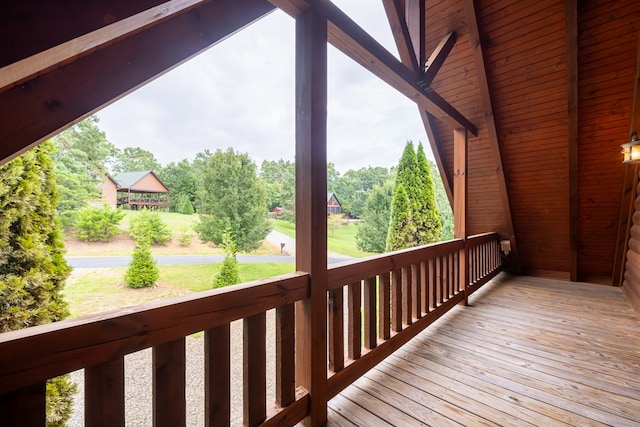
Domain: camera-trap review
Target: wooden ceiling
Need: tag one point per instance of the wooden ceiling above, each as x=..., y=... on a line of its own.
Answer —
x=546, y=86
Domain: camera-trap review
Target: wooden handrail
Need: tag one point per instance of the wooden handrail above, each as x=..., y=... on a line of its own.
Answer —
x=390, y=298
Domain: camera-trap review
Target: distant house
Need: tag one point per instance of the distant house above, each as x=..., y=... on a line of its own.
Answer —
x=136, y=190
x=333, y=205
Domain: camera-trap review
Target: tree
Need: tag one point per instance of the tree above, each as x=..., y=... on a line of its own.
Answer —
x=98, y=224
x=142, y=271
x=354, y=187
x=334, y=222
x=33, y=270
x=426, y=214
x=371, y=235
x=132, y=159
x=232, y=197
x=180, y=179
x=81, y=155
x=279, y=178
x=442, y=201
x=229, y=273
x=148, y=227
x=401, y=227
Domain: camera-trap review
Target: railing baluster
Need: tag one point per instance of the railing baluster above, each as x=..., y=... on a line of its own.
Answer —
x=25, y=407
x=384, y=306
x=452, y=277
x=433, y=284
x=104, y=394
x=169, y=405
x=336, y=329
x=370, y=320
x=285, y=354
x=417, y=295
x=445, y=278
x=407, y=293
x=254, y=369
x=354, y=331
x=439, y=279
x=217, y=379
x=396, y=300
x=424, y=288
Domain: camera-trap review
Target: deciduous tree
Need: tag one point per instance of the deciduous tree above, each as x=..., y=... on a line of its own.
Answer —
x=371, y=235
x=232, y=197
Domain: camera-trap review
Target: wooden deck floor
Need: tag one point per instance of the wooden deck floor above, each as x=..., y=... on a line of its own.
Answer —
x=528, y=352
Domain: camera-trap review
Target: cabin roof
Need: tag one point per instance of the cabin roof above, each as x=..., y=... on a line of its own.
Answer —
x=132, y=180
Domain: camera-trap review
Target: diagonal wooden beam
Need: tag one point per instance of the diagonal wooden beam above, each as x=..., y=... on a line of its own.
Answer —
x=437, y=58
x=356, y=43
x=485, y=94
x=407, y=37
x=53, y=100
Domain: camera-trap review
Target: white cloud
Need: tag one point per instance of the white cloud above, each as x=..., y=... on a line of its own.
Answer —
x=240, y=94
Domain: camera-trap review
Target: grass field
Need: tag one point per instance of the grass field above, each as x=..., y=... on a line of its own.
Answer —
x=90, y=291
x=341, y=241
x=176, y=222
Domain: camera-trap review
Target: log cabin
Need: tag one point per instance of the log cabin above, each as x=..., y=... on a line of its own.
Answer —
x=526, y=317
x=136, y=190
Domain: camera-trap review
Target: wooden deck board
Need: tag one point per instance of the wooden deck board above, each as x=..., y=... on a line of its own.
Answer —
x=528, y=351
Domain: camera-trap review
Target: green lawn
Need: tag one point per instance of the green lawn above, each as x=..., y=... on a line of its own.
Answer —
x=341, y=241
x=90, y=291
x=177, y=222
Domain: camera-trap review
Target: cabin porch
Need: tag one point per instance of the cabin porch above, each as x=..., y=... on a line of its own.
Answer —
x=527, y=351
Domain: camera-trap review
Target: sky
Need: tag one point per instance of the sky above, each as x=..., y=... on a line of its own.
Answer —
x=240, y=94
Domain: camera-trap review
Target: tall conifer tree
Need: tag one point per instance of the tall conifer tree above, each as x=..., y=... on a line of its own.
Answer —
x=401, y=227
x=426, y=216
x=32, y=265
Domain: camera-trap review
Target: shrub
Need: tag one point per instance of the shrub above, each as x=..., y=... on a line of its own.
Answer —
x=142, y=271
x=148, y=226
x=228, y=274
x=183, y=205
x=60, y=391
x=98, y=224
x=186, y=238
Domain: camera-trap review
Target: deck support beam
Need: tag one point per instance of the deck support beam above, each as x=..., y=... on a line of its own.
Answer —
x=460, y=201
x=311, y=208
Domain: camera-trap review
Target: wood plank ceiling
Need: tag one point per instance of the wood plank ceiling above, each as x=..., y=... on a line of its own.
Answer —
x=530, y=53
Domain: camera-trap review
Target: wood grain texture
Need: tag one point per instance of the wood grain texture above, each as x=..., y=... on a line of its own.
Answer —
x=217, y=376
x=169, y=400
x=104, y=394
x=525, y=353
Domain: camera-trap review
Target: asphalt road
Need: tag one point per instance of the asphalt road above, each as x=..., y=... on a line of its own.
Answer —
x=123, y=261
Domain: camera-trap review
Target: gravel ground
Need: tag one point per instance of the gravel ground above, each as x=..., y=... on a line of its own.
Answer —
x=138, y=381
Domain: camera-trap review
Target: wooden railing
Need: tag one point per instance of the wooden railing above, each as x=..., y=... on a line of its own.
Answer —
x=375, y=305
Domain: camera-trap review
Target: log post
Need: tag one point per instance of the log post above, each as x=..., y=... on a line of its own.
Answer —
x=311, y=208
x=460, y=202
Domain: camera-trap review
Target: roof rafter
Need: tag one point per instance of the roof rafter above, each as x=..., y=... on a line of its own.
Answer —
x=404, y=38
x=56, y=98
x=356, y=43
x=485, y=95
x=437, y=58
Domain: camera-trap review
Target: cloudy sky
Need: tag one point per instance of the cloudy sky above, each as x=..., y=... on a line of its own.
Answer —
x=240, y=94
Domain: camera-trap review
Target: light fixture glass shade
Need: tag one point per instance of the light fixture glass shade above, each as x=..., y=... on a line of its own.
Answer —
x=631, y=150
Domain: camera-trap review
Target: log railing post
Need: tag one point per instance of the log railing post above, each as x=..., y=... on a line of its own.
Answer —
x=460, y=201
x=311, y=208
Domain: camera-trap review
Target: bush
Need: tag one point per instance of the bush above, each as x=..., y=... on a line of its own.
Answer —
x=185, y=239
x=142, y=271
x=182, y=204
x=148, y=226
x=228, y=274
x=98, y=224
x=60, y=391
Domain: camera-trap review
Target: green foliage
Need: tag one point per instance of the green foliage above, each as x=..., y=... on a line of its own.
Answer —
x=232, y=197
x=180, y=179
x=134, y=159
x=98, y=224
x=372, y=232
x=229, y=273
x=442, y=201
x=414, y=176
x=182, y=204
x=59, y=407
x=334, y=222
x=426, y=214
x=279, y=178
x=354, y=187
x=32, y=266
x=401, y=227
x=142, y=271
x=149, y=227
x=185, y=239
x=81, y=154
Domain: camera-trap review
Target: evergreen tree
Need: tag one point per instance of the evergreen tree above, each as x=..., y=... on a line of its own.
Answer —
x=228, y=274
x=401, y=227
x=32, y=265
x=232, y=197
x=371, y=235
x=426, y=214
x=142, y=271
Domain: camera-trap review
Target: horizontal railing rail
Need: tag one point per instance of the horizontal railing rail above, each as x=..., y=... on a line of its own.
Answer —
x=375, y=305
